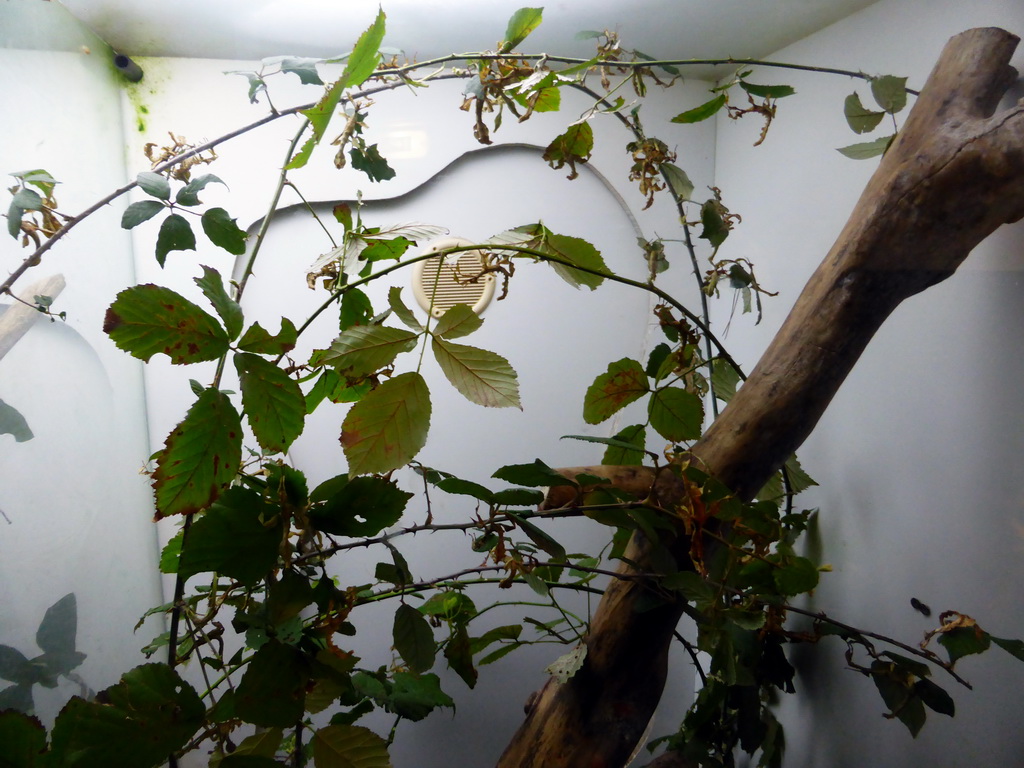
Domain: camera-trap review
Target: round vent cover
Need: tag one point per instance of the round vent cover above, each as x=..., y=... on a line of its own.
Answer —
x=439, y=283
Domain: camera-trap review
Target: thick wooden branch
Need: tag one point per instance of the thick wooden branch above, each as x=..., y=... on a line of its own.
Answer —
x=954, y=175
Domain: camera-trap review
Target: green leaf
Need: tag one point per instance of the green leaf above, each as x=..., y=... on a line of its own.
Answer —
x=576, y=251
x=16, y=667
x=935, y=697
x=349, y=746
x=13, y=423
x=703, y=112
x=363, y=506
x=200, y=457
x=414, y=639
x=171, y=554
x=14, y=214
x=256, y=339
x=154, y=184
x=890, y=92
x=573, y=146
x=460, y=320
x=189, y=194
x=522, y=23
x=272, y=691
x=300, y=158
x=691, y=586
x=797, y=576
x=416, y=696
x=38, y=178
x=303, y=68
x=540, y=538
x=175, y=235
x=964, y=641
x=238, y=537
x=388, y=427
x=370, y=162
x=365, y=349
x=799, y=481
x=457, y=485
x=402, y=312
x=535, y=475
x=23, y=739
x=565, y=667
x=272, y=401
x=767, y=91
x=148, y=319
x=678, y=181
x=59, y=627
x=859, y=118
x=483, y=377
x=623, y=383
x=714, y=227
x=867, y=149
x=136, y=213
x=724, y=380
x=619, y=454
x=228, y=309
x=150, y=713
x=459, y=655
x=518, y=497
x=356, y=309
x=1014, y=647
x=676, y=414
x=223, y=232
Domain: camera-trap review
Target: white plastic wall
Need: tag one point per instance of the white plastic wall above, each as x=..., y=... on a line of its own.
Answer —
x=919, y=454
x=76, y=510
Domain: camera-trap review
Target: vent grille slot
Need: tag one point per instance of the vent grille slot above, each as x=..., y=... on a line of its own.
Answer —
x=439, y=285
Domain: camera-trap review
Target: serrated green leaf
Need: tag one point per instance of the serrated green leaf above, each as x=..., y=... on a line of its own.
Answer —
x=154, y=184
x=799, y=481
x=619, y=454
x=935, y=697
x=858, y=117
x=460, y=320
x=13, y=423
x=361, y=507
x=964, y=641
x=678, y=181
x=703, y=112
x=518, y=497
x=303, y=68
x=767, y=91
x=713, y=227
x=229, y=310
x=372, y=163
x=223, y=232
x=573, y=146
x=238, y=537
x=459, y=655
x=797, y=576
x=24, y=740
x=175, y=235
x=200, y=457
x=171, y=553
x=522, y=23
x=1014, y=647
x=388, y=427
x=256, y=339
x=349, y=746
x=414, y=639
x=16, y=667
x=402, y=312
x=38, y=178
x=365, y=349
x=867, y=149
x=676, y=414
x=150, y=713
x=623, y=383
x=300, y=158
x=724, y=380
x=535, y=475
x=272, y=401
x=355, y=309
x=189, y=194
x=416, y=696
x=136, y=213
x=272, y=691
x=59, y=627
x=457, y=485
x=540, y=538
x=482, y=377
x=576, y=251
x=148, y=319
x=890, y=92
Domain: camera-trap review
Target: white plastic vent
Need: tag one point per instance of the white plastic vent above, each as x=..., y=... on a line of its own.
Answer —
x=441, y=283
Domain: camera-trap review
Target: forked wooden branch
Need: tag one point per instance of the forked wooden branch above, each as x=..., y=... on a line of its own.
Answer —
x=954, y=174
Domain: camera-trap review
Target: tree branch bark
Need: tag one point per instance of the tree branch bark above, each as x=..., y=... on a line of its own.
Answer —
x=953, y=175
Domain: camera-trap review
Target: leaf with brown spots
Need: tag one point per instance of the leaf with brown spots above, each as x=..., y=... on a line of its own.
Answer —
x=146, y=320
x=388, y=427
x=272, y=401
x=623, y=382
x=200, y=457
